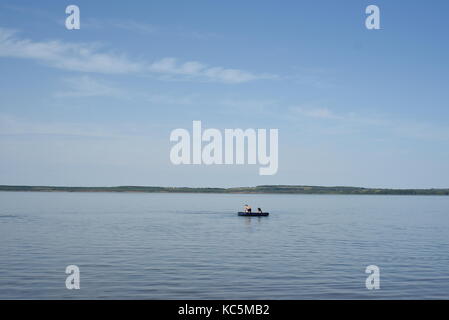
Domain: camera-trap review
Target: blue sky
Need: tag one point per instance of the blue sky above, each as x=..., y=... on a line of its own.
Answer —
x=96, y=106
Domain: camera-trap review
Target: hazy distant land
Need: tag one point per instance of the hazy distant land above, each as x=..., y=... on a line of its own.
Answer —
x=276, y=189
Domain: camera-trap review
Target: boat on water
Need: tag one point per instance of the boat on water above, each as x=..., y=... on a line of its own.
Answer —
x=253, y=214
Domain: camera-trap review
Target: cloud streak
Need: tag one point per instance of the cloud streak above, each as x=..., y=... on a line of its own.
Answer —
x=86, y=86
x=351, y=123
x=85, y=57
x=321, y=113
x=170, y=66
x=73, y=57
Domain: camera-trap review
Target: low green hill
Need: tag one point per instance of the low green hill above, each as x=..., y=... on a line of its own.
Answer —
x=284, y=189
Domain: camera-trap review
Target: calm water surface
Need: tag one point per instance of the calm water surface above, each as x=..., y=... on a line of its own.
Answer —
x=194, y=246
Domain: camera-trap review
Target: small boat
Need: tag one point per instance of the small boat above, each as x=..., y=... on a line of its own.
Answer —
x=253, y=214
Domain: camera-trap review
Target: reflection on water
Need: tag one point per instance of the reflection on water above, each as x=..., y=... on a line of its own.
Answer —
x=131, y=246
x=248, y=220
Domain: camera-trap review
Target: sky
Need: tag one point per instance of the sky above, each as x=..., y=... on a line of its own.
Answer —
x=95, y=106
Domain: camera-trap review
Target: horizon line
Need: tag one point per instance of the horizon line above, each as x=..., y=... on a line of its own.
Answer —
x=267, y=189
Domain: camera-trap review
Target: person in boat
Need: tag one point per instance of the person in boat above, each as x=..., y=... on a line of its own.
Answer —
x=247, y=208
x=259, y=210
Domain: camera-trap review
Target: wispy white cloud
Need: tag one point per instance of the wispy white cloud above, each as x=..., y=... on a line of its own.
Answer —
x=170, y=66
x=157, y=98
x=313, y=112
x=239, y=105
x=87, y=86
x=85, y=57
x=68, y=56
x=130, y=25
x=349, y=123
x=145, y=28
x=11, y=125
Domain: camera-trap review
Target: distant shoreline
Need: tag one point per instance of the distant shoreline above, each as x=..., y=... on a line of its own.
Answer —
x=264, y=189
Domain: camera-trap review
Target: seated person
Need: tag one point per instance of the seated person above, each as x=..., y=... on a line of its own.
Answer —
x=259, y=210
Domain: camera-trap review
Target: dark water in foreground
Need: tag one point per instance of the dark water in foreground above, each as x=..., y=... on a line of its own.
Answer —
x=194, y=246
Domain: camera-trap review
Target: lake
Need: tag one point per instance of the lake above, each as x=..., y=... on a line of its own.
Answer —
x=194, y=246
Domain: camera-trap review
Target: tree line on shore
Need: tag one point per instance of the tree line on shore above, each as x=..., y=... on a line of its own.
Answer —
x=278, y=189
